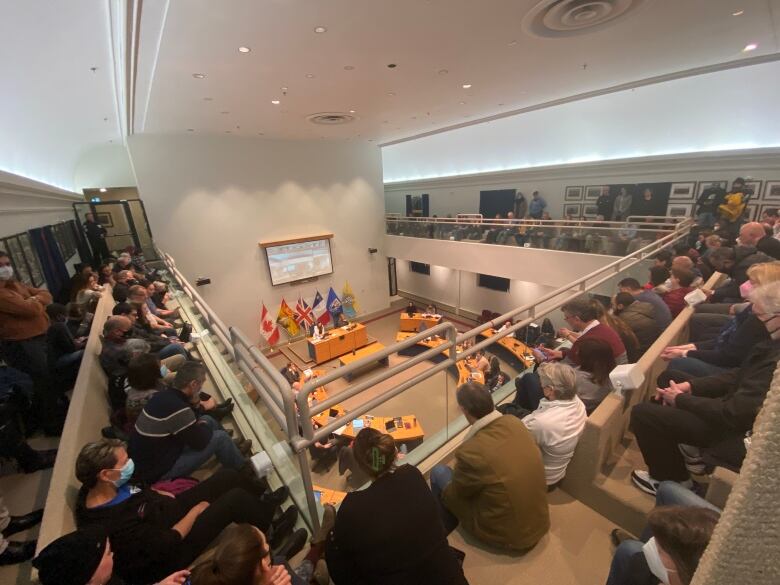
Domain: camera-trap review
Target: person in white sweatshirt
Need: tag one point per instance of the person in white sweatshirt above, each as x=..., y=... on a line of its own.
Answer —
x=559, y=421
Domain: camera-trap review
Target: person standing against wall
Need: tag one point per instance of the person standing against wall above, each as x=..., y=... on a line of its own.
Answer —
x=96, y=235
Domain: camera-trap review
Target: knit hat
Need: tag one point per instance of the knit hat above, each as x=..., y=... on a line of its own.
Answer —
x=71, y=559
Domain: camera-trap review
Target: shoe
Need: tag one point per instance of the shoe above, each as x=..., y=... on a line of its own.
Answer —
x=44, y=460
x=293, y=545
x=328, y=521
x=644, y=481
x=276, y=497
x=219, y=412
x=693, y=459
x=244, y=445
x=321, y=575
x=282, y=527
x=618, y=535
x=22, y=523
x=18, y=552
x=229, y=432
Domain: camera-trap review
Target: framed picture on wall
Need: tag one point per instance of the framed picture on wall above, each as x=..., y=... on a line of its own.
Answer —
x=763, y=208
x=592, y=192
x=572, y=210
x=682, y=191
x=679, y=209
x=707, y=184
x=105, y=219
x=590, y=210
x=752, y=212
x=772, y=191
x=755, y=187
x=573, y=194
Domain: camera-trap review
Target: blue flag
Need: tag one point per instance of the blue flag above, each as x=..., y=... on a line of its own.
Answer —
x=334, y=303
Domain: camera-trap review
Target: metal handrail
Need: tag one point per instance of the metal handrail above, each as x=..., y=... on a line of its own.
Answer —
x=635, y=223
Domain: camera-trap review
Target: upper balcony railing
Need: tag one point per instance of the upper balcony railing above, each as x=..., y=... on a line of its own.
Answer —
x=615, y=238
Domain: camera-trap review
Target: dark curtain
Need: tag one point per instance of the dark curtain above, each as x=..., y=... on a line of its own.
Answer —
x=52, y=264
x=496, y=201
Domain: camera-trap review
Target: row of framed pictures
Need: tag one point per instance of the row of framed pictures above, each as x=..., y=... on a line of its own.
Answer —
x=674, y=209
x=689, y=191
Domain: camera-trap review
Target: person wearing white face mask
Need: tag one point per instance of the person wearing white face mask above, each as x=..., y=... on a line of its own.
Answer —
x=674, y=541
x=23, y=325
x=711, y=412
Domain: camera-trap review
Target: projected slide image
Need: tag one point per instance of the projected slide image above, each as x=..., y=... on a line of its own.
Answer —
x=299, y=261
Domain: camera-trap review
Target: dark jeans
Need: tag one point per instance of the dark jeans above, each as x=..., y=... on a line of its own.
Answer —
x=441, y=477
x=659, y=429
x=30, y=356
x=171, y=350
x=529, y=391
x=695, y=367
x=231, y=499
x=220, y=445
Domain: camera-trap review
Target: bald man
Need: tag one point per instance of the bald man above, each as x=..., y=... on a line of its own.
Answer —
x=755, y=234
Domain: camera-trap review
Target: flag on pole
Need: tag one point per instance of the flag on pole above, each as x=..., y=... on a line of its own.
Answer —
x=320, y=310
x=334, y=303
x=348, y=301
x=268, y=328
x=304, y=316
x=286, y=319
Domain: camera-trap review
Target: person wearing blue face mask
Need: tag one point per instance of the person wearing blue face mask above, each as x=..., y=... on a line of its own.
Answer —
x=154, y=533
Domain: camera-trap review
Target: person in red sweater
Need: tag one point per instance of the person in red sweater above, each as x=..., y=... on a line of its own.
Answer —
x=681, y=286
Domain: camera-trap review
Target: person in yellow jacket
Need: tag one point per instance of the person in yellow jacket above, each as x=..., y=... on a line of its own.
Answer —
x=23, y=326
x=497, y=489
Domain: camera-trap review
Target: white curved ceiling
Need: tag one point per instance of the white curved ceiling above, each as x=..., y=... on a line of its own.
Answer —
x=53, y=108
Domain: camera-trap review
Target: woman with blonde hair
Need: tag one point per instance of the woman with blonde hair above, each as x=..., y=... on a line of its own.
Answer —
x=736, y=338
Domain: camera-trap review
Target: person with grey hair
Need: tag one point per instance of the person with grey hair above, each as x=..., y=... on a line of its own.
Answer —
x=170, y=440
x=496, y=490
x=559, y=421
x=706, y=418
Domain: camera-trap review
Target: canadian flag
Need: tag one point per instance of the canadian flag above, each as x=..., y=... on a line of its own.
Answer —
x=268, y=327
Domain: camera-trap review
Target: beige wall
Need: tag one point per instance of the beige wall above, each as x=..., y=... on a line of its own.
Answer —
x=211, y=199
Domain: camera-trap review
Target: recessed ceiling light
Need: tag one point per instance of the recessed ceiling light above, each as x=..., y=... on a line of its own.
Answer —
x=391, y=93
x=512, y=43
x=349, y=67
x=284, y=89
x=190, y=129
x=352, y=111
x=750, y=47
x=208, y=99
x=443, y=72
x=224, y=112
x=199, y=75
x=392, y=66
x=466, y=86
x=227, y=131
x=310, y=76
x=320, y=29
x=462, y=103
x=275, y=102
x=244, y=50
x=260, y=134
x=738, y=13
x=103, y=189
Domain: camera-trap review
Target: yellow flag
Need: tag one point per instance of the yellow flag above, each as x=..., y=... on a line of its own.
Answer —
x=349, y=303
x=286, y=319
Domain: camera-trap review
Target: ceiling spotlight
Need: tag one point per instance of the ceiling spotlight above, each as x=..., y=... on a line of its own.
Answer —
x=103, y=189
x=348, y=67
x=738, y=13
x=462, y=103
x=466, y=86
x=320, y=29
x=352, y=111
x=443, y=72
x=310, y=76
x=244, y=50
x=190, y=129
x=750, y=47
x=227, y=131
x=224, y=112
x=512, y=43
x=392, y=66
x=391, y=93
x=275, y=102
x=208, y=99
x=199, y=75
x=284, y=89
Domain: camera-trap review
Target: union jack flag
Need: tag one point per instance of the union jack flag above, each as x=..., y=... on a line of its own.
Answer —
x=304, y=316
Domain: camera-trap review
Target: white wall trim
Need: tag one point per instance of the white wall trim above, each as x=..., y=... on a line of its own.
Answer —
x=33, y=210
x=759, y=158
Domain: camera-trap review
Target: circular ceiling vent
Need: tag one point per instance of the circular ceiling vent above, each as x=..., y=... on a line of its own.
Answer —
x=330, y=118
x=566, y=18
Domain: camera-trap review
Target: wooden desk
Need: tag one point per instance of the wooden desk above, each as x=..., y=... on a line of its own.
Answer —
x=413, y=323
x=337, y=342
x=517, y=348
x=360, y=354
x=326, y=496
x=465, y=367
x=413, y=433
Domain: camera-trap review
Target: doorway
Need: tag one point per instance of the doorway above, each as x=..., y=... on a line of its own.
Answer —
x=125, y=221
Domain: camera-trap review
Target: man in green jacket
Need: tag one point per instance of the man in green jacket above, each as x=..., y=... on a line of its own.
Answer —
x=497, y=489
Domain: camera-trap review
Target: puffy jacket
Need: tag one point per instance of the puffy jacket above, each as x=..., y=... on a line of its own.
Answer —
x=640, y=317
